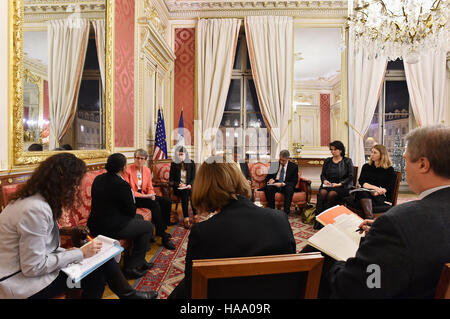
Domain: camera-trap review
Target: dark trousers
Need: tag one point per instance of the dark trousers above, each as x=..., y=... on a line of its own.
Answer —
x=160, y=212
x=185, y=195
x=287, y=191
x=140, y=232
x=93, y=285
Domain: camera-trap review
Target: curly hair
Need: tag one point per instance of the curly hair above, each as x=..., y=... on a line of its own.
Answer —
x=57, y=180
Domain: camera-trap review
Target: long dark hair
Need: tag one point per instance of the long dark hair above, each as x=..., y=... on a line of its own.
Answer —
x=57, y=180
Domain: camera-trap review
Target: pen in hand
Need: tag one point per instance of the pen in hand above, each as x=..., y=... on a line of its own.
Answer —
x=359, y=230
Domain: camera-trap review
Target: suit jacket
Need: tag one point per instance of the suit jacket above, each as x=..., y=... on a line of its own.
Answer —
x=346, y=171
x=410, y=243
x=29, y=248
x=241, y=229
x=112, y=205
x=291, y=177
x=175, y=173
x=131, y=177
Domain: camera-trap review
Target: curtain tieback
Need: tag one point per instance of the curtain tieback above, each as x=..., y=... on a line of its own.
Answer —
x=353, y=128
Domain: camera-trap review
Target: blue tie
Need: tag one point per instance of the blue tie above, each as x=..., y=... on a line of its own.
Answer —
x=282, y=174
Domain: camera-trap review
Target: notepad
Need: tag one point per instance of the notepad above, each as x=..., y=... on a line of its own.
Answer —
x=110, y=248
x=339, y=238
x=361, y=189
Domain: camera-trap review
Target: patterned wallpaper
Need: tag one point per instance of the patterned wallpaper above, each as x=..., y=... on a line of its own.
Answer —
x=184, y=78
x=324, y=119
x=124, y=73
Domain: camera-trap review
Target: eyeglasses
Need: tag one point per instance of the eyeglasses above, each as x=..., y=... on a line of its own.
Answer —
x=140, y=158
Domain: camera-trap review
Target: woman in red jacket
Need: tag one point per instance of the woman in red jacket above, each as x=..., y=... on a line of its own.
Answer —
x=139, y=177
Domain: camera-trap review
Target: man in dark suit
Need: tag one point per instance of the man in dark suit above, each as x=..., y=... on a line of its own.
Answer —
x=281, y=178
x=113, y=214
x=405, y=249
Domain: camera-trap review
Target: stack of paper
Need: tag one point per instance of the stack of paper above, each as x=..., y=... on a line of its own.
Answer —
x=110, y=248
x=339, y=238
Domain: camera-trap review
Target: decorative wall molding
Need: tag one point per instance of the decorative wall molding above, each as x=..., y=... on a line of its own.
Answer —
x=211, y=8
x=39, y=10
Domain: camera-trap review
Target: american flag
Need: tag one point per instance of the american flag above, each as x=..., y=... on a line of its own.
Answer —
x=160, y=151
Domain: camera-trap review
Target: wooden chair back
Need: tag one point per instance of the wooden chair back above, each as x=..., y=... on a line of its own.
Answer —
x=443, y=287
x=355, y=176
x=396, y=188
x=309, y=264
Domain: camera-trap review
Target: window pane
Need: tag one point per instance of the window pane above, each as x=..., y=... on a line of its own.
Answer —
x=371, y=137
x=251, y=100
x=238, y=56
x=231, y=119
x=233, y=102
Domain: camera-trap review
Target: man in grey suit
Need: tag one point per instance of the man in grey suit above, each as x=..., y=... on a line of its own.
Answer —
x=405, y=249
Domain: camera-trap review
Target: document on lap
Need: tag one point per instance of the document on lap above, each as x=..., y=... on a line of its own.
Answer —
x=110, y=248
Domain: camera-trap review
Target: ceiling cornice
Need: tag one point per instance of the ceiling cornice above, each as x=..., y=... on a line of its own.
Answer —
x=179, y=9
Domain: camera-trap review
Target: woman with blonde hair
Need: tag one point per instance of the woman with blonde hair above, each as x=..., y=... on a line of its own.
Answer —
x=238, y=228
x=378, y=175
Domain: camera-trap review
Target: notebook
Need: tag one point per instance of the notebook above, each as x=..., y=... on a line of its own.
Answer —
x=110, y=248
x=339, y=238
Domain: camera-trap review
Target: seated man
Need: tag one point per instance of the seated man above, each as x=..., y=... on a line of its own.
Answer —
x=405, y=249
x=140, y=179
x=281, y=178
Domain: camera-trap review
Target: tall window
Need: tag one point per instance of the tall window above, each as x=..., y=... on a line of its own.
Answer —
x=393, y=117
x=243, y=129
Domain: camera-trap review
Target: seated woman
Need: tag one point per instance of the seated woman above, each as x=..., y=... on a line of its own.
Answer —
x=238, y=229
x=113, y=214
x=379, y=176
x=181, y=178
x=337, y=177
x=139, y=177
x=30, y=256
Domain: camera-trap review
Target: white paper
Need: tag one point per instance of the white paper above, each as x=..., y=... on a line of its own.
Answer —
x=334, y=243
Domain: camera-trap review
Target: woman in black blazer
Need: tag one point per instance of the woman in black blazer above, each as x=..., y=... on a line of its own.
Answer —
x=181, y=178
x=113, y=214
x=238, y=228
x=337, y=177
x=379, y=176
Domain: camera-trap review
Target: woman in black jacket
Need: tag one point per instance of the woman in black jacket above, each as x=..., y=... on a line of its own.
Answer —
x=181, y=178
x=378, y=176
x=337, y=177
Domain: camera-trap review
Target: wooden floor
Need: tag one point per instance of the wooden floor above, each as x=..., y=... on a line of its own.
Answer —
x=108, y=294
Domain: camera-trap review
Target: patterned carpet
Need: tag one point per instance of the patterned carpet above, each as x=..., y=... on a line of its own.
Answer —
x=168, y=269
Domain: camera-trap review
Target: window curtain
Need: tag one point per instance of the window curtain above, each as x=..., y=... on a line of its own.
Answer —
x=270, y=38
x=426, y=86
x=67, y=44
x=217, y=39
x=366, y=79
x=100, y=33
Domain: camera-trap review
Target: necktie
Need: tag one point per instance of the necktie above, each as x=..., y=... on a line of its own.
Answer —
x=282, y=175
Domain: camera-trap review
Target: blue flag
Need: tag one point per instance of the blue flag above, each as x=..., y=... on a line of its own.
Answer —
x=160, y=151
x=180, y=137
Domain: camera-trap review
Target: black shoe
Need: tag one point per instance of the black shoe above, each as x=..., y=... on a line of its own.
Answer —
x=168, y=244
x=134, y=273
x=146, y=265
x=140, y=295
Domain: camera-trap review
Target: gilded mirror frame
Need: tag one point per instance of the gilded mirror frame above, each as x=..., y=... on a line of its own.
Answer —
x=17, y=156
x=323, y=151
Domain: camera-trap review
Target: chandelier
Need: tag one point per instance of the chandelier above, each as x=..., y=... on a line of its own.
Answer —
x=400, y=28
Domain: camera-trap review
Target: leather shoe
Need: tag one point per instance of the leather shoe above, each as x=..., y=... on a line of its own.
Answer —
x=147, y=265
x=134, y=273
x=168, y=244
x=136, y=294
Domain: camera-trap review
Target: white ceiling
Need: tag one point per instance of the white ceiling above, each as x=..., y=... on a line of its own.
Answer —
x=320, y=50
